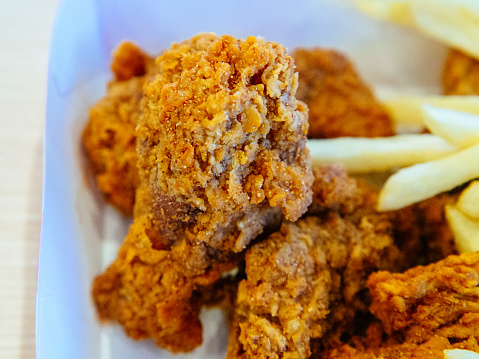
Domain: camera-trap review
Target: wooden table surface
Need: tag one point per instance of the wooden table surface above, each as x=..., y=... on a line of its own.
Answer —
x=25, y=28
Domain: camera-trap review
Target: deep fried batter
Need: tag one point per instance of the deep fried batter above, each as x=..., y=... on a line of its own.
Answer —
x=222, y=141
x=460, y=74
x=421, y=231
x=308, y=280
x=334, y=190
x=427, y=300
x=423, y=310
x=151, y=292
x=340, y=103
x=108, y=138
x=222, y=158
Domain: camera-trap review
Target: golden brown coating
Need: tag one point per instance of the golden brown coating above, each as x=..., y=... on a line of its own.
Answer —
x=422, y=311
x=130, y=61
x=460, y=75
x=427, y=300
x=222, y=159
x=221, y=153
x=152, y=292
x=108, y=138
x=421, y=231
x=222, y=141
x=308, y=280
x=110, y=128
x=334, y=190
x=339, y=102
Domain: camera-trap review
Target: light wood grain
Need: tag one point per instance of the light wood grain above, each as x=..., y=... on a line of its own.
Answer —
x=25, y=29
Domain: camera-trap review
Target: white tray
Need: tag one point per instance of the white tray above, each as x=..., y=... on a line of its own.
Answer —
x=80, y=235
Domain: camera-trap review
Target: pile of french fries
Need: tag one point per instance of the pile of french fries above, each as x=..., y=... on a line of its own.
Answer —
x=424, y=164
x=424, y=180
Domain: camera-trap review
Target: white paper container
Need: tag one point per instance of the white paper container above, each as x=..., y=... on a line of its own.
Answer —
x=80, y=235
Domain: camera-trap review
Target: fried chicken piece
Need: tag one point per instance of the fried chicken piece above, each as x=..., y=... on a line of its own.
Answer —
x=222, y=141
x=460, y=74
x=153, y=293
x=424, y=310
x=111, y=130
x=108, y=138
x=308, y=280
x=222, y=156
x=339, y=102
x=421, y=231
x=425, y=301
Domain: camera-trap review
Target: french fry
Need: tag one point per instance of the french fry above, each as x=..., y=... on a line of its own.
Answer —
x=456, y=127
x=464, y=228
x=460, y=354
x=416, y=183
x=468, y=202
x=407, y=111
x=452, y=22
x=362, y=155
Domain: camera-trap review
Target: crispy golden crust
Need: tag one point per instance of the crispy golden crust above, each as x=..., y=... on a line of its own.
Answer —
x=339, y=102
x=222, y=141
x=426, y=300
x=205, y=188
x=153, y=293
x=422, y=311
x=108, y=138
x=130, y=61
x=222, y=158
x=334, y=190
x=308, y=280
x=460, y=75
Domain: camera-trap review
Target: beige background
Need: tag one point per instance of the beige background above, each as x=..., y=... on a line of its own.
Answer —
x=25, y=28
